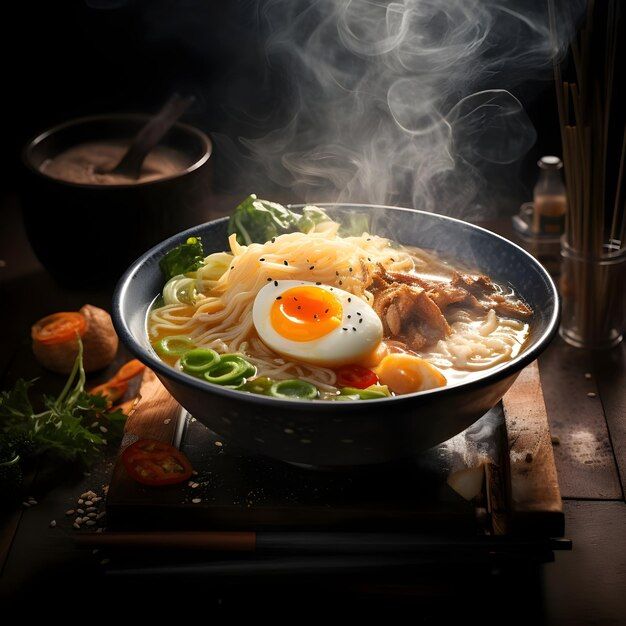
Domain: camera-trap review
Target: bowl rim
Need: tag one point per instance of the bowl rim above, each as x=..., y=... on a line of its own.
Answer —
x=500, y=372
x=31, y=144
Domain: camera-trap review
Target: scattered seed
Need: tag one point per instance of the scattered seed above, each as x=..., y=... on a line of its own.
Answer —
x=94, y=425
x=269, y=280
x=53, y=523
x=318, y=283
x=194, y=485
x=261, y=260
x=588, y=375
x=88, y=503
x=70, y=512
x=32, y=501
x=90, y=522
x=219, y=444
x=26, y=504
x=76, y=526
x=80, y=511
x=105, y=561
x=197, y=500
x=591, y=394
x=275, y=283
x=99, y=530
x=78, y=520
x=104, y=429
x=91, y=515
x=273, y=240
x=167, y=421
x=312, y=267
x=81, y=501
x=100, y=515
x=285, y=263
x=91, y=509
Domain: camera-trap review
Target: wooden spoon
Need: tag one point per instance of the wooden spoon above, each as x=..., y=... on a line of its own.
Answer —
x=149, y=137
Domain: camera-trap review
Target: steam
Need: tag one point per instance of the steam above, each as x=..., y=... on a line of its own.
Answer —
x=401, y=102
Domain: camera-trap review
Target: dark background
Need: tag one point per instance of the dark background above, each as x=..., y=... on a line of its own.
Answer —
x=80, y=57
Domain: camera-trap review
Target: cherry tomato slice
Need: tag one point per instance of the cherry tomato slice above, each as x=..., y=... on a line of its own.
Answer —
x=355, y=376
x=154, y=463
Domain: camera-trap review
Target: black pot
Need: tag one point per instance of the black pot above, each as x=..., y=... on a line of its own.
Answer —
x=86, y=233
x=331, y=434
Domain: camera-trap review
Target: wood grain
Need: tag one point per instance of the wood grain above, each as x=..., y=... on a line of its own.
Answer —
x=584, y=458
x=534, y=499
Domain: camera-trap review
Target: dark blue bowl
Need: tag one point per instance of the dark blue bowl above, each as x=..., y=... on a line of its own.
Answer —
x=349, y=433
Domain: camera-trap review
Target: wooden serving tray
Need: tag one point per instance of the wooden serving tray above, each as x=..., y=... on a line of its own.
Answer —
x=507, y=454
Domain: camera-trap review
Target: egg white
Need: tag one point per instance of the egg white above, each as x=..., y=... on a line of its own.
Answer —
x=340, y=346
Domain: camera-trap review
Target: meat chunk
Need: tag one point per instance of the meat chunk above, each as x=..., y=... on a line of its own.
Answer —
x=410, y=316
x=488, y=295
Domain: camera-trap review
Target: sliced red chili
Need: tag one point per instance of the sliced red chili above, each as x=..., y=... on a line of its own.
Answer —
x=355, y=376
x=154, y=463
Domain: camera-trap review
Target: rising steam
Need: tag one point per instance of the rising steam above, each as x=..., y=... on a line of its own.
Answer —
x=400, y=102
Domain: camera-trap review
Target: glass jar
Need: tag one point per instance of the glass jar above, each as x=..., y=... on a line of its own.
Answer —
x=549, y=198
x=593, y=293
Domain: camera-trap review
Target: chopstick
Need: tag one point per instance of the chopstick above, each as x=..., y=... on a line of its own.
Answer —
x=325, y=565
x=314, y=542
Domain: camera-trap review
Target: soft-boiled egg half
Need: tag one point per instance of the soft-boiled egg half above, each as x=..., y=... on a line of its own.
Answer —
x=407, y=373
x=316, y=323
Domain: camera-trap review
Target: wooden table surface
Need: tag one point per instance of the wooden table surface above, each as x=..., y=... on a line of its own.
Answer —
x=584, y=586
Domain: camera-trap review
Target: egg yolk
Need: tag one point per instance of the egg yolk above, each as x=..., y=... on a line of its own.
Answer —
x=305, y=313
x=405, y=373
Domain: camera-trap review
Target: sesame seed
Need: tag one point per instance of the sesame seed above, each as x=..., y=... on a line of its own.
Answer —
x=269, y=280
x=261, y=260
x=349, y=269
x=318, y=283
x=197, y=500
x=588, y=376
x=349, y=316
x=53, y=523
x=273, y=239
x=361, y=321
x=285, y=263
x=312, y=267
x=344, y=329
x=336, y=273
x=354, y=329
x=591, y=394
x=358, y=313
x=349, y=299
x=279, y=297
x=341, y=282
x=232, y=267
x=275, y=283
x=326, y=311
x=70, y=512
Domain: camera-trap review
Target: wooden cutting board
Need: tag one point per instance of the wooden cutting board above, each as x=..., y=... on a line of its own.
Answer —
x=235, y=490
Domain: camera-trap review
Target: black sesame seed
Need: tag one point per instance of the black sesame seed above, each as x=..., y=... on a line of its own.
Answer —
x=361, y=321
x=275, y=283
x=341, y=282
x=295, y=299
x=392, y=259
x=349, y=317
x=299, y=307
x=358, y=313
x=279, y=297
x=315, y=316
x=261, y=260
x=349, y=269
x=318, y=283
x=368, y=258
x=344, y=329
x=312, y=267
x=285, y=262
x=354, y=329
x=336, y=273
x=232, y=267
x=349, y=299
x=269, y=280
x=326, y=311
x=273, y=239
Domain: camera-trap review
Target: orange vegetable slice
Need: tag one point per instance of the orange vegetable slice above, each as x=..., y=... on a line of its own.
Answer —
x=129, y=370
x=59, y=328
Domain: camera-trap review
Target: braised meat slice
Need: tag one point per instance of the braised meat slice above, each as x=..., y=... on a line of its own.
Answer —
x=488, y=296
x=410, y=316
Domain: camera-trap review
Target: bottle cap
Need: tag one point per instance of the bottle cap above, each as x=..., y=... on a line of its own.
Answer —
x=550, y=163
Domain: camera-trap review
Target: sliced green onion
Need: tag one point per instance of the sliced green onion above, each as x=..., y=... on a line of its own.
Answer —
x=230, y=370
x=199, y=361
x=250, y=369
x=259, y=385
x=370, y=393
x=175, y=345
x=345, y=398
x=294, y=389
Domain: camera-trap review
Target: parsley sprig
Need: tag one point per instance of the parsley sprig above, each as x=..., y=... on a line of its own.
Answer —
x=74, y=426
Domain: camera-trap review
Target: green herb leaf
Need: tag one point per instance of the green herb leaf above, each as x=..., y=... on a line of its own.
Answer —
x=257, y=221
x=187, y=257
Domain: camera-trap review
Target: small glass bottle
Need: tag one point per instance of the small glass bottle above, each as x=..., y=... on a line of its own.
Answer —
x=550, y=199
